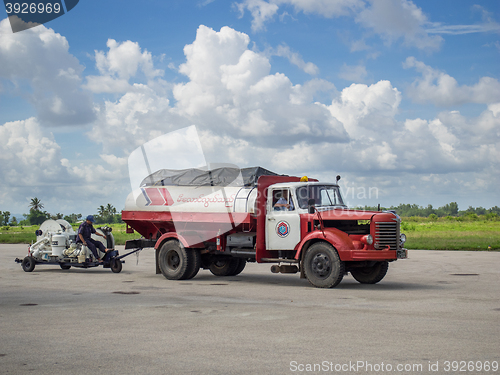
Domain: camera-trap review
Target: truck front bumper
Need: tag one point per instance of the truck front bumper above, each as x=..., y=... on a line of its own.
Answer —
x=377, y=255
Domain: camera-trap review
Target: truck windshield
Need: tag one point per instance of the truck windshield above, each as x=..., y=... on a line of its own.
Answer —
x=323, y=195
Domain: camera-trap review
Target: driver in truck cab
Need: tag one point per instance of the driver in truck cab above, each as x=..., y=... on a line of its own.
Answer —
x=282, y=202
x=85, y=232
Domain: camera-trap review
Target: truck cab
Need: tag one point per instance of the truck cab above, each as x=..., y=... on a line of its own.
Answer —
x=283, y=220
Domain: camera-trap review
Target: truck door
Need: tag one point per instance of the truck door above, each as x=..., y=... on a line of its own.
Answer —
x=282, y=220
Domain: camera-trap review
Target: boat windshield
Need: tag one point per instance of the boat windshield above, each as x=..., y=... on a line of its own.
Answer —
x=323, y=195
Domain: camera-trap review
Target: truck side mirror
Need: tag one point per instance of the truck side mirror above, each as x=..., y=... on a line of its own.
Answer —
x=310, y=205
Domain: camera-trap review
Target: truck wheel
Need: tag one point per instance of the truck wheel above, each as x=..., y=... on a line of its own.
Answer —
x=370, y=275
x=64, y=266
x=240, y=267
x=224, y=266
x=194, y=263
x=175, y=261
x=116, y=265
x=322, y=266
x=28, y=264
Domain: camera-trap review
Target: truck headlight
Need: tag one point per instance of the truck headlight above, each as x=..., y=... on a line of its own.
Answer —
x=402, y=239
x=367, y=239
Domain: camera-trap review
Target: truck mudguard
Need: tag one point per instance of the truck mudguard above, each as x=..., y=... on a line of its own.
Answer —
x=338, y=239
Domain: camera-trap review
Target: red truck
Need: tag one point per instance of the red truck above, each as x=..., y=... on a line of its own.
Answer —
x=223, y=218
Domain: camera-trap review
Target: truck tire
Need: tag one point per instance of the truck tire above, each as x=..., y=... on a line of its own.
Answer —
x=224, y=266
x=240, y=267
x=28, y=264
x=194, y=263
x=322, y=265
x=176, y=262
x=64, y=266
x=370, y=275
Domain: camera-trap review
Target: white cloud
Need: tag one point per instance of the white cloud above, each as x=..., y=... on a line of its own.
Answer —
x=264, y=11
x=113, y=160
x=391, y=19
x=488, y=25
x=441, y=89
x=367, y=111
x=327, y=8
x=107, y=84
x=28, y=153
x=31, y=165
x=247, y=116
x=261, y=11
x=438, y=28
x=137, y=117
x=118, y=65
x=395, y=19
x=296, y=59
x=231, y=89
x=39, y=57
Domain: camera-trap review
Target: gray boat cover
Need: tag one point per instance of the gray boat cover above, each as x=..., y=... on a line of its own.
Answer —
x=224, y=176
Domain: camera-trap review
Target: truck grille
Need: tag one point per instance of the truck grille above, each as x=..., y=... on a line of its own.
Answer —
x=386, y=234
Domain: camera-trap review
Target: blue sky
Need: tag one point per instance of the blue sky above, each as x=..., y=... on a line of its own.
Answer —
x=395, y=95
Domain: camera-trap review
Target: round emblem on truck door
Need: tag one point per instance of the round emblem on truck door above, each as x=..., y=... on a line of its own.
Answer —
x=282, y=229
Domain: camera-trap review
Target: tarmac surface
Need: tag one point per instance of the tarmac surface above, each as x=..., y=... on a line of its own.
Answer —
x=430, y=310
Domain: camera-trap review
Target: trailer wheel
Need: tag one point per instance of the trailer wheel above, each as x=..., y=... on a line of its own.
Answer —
x=370, y=275
x=224, y=266
x=116, y=265
x=322, y=265
x=175, y=261
x=240, y=267
x=28, y=264
x=64, y=266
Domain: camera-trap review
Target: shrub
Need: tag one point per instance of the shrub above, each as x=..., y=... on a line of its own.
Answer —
x=407, y=227
x=492, y=216
x=472, y=217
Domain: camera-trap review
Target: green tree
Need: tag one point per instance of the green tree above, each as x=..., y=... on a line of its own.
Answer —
x=5, y=218
x=106, y=214
x=13, y=222
x=110, y=209
x=450, y=209
x=495, y=210
x=429, y=210
x=72, y=218
x=37, y=217
x=36, y=204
